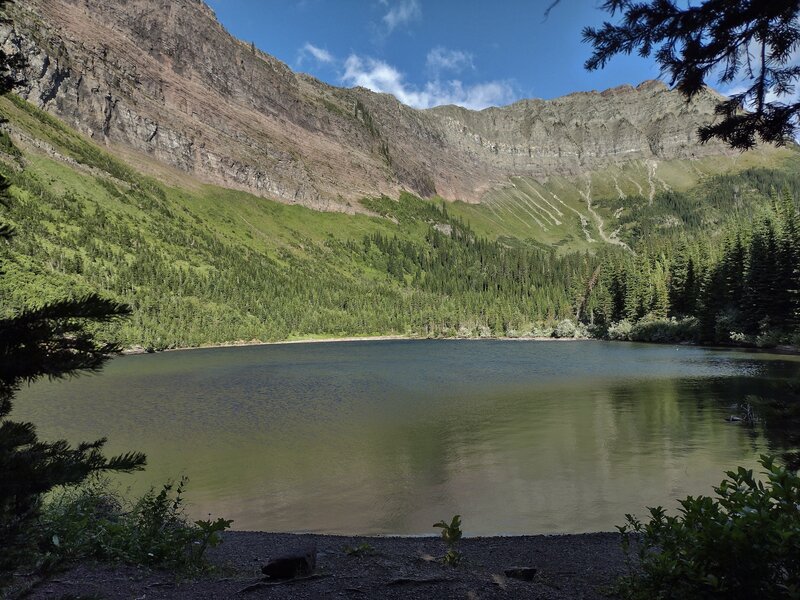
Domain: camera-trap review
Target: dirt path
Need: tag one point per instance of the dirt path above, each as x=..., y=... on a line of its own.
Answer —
x=569, y=566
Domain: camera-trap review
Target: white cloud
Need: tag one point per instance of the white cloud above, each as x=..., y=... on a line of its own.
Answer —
x=770, y=96
x=317, y=53
x=381, y=77
x=405, y=11
x=733, y=90
x=743, y=84
x=443, y=59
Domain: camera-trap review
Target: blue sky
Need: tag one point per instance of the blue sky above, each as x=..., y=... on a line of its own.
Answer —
x=475, y=53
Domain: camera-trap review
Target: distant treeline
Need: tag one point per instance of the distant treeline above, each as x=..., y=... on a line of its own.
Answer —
x=741, y=286
x=188, y=285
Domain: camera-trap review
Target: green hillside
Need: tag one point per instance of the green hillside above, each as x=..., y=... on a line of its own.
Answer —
x=586, y=212
x=201, y=264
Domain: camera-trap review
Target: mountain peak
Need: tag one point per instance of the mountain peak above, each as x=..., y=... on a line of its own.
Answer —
x=164, y=79
x=652, y=85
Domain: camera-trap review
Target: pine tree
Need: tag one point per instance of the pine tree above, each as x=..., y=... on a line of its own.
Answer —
x=660, y=305
x=712, y=303
x=617, y=290
x=49, y=341
x=734, y=261
x=788, y=263
x=693, y=41
x=762, y=285
x=683, y=283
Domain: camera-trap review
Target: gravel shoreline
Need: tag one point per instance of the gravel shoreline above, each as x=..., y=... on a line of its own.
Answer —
x=783, y=349
x=568, y=566
x=134, y=350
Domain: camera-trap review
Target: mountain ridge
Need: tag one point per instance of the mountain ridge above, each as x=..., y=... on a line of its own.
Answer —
x=204, y=264
x=166, y=80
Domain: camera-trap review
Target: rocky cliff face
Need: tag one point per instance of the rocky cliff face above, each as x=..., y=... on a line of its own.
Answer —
x=163, y=77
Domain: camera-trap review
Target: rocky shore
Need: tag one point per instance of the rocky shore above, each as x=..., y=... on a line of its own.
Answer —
x=545, y=567
x=134, y=350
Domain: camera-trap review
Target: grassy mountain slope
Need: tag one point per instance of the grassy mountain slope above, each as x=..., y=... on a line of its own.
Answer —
x=202, y=264
x=585, y=213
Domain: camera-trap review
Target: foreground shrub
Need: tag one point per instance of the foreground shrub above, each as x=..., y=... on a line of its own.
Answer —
x=742, y=544
x=451, y=535
x=95, y=522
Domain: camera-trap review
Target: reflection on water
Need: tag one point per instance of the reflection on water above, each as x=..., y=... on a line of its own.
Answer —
x=389, y=437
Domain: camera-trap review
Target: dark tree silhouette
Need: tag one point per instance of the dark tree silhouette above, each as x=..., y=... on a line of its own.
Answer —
x=50, y=341
x=730, y=40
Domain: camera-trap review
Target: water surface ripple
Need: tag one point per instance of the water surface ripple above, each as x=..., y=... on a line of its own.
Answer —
x=391, y=436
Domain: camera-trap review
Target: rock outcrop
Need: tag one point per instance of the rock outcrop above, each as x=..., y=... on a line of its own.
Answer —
x=164, y=78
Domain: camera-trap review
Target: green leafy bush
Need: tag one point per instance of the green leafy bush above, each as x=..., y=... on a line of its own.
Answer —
x=621, y=330
x=665, y=330
x=564, y=329
x=451, y=534
x=95, y=522
x=655, y=329
x=7, y=146
x=570, y=329
x=742, y=544
x=363, y=549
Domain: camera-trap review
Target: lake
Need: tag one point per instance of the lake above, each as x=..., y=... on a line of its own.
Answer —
x=387, y=437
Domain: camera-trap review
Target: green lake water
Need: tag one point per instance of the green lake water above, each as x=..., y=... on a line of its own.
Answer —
x=388, y=437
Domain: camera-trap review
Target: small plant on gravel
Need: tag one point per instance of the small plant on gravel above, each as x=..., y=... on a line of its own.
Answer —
x=363, y=549
x=95, y=522
x=742, y=544
x=451, y=534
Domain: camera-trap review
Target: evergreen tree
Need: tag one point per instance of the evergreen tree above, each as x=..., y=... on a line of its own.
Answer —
x=681, y=283
x=733, y=264
x=49, y=341
x=761, y=307
x=738, y=40
x=789, y=262
x=712, y=304
x=618, y=291
x=660, y=305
